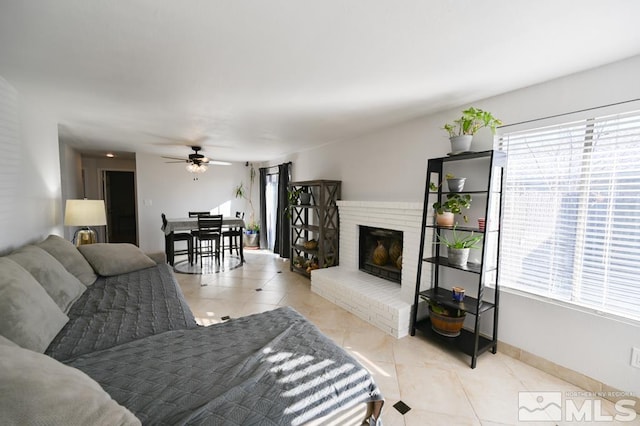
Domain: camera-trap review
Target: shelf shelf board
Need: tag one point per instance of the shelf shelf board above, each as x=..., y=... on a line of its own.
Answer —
x=459, y=228
x=299, y=247
x=458, y=192
x=444, y=297
x=443, y=261
x=302, y=271
x=464, y=342
x=312, y=228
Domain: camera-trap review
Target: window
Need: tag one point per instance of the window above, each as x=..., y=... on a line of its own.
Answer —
x=571, y=219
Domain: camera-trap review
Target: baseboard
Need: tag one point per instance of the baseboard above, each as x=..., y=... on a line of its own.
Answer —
x=585, y=382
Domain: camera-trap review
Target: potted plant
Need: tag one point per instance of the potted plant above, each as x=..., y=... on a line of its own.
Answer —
x=461, y=131
x=455, y=184
x=241, y=192
x=252, y=235
x=445, y=320
x=458, y=246
x=453, y=204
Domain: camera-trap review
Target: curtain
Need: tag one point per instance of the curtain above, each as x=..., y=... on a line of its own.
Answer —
x=282, y=244
x=263, y=208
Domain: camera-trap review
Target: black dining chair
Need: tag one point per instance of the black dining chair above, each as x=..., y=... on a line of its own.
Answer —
x=194, y=235
x=209, y=236
x=170, y=247
x=233, y=234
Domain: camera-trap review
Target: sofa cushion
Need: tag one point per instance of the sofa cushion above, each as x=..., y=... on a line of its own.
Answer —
x=67, y=254
x=38, y=390
x=59, y=283
x=110, y=259
x=28, y=315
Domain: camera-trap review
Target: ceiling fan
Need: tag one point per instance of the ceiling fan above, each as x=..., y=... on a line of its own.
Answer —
x=196, y=162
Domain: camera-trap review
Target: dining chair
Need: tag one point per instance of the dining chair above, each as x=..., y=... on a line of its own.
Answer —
x=170, y=247
x=194, y=235
x=233, y=234
x=209, y=233
x=196, y=214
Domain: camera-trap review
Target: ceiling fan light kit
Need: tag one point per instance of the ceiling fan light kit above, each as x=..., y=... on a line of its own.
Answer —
x=196, y=162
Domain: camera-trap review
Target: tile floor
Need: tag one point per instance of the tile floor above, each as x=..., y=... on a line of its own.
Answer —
x=437, y=384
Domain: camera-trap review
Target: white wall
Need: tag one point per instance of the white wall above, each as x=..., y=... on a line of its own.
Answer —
x=168, y=188
x=390, y=166
x=30, y=206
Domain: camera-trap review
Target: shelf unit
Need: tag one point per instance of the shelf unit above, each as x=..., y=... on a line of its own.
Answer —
x=476, y=276
x=318, y=221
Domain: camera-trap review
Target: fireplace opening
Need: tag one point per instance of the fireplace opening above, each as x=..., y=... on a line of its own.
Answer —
x=380, y=253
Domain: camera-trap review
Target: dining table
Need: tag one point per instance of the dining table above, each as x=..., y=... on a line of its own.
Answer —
x=191, y=223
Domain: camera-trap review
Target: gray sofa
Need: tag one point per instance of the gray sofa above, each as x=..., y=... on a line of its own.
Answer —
x=101, y=334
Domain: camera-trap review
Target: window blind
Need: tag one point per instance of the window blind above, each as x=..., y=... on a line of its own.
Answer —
x=571, y=218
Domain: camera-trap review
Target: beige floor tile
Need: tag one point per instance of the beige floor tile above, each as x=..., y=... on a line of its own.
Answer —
x=433, y=389
x=429, y=418
x=369, y=344
x=434, y=381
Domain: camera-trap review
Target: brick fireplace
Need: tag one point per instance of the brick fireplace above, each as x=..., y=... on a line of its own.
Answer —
x=377, y=300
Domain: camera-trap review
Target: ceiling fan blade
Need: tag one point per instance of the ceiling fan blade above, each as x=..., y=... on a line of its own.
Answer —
x=219, y=163
x=178, y=161
x=174, y=158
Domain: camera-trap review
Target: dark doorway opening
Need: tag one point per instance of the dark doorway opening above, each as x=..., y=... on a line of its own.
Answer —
x=120, y=200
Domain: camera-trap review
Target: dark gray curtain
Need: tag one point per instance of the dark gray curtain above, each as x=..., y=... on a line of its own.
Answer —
x=282, y=244
x=263, y=208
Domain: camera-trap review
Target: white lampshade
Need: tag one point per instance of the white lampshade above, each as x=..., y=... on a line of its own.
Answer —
x=85, y=213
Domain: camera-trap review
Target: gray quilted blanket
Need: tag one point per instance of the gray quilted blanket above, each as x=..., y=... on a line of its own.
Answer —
x=274, y=368
x=120, y=309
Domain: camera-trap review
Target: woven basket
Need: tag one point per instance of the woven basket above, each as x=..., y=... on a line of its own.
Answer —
x=444, y=325
x=310, y=245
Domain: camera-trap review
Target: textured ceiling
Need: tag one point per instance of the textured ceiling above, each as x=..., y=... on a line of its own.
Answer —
x=255, y=80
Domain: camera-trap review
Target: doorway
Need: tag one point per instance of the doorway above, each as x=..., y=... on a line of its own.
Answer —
x=271, y=199
x=120, y=201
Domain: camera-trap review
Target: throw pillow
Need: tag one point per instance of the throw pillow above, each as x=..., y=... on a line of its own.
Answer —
x=28, y=316
x=63, y=287
x=67, y=254
x=38, y=390
x=110, y=259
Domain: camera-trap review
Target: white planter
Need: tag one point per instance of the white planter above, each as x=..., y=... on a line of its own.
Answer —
x=305, y=199
x=458, y=257
x=445, y=219
x=251, y=240
x=460, y=143
x=456, y=184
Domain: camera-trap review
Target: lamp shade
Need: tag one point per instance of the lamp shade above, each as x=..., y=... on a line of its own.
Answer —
x=85, y=213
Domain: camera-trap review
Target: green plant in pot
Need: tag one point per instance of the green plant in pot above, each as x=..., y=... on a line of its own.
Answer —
x=461, y=131
x=298, y=196
x=241, y=192
x=445, y=320
x=454, y=183
x=454, y=204
x=459, y=245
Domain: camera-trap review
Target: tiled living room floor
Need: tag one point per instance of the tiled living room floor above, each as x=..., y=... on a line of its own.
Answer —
x=436, y=384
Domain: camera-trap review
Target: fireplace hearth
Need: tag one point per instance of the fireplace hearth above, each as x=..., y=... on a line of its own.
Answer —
x=380, y=253
x=379, y=301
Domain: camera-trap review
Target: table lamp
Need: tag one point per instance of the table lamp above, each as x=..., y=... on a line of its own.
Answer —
x=85, y=213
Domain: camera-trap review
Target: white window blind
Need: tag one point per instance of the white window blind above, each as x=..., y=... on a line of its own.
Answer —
x=571, y=218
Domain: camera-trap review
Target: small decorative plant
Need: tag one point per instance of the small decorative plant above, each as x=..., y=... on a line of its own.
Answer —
x=454, y=203
x=241, y=192
x=293, y=195
x=447, y=312
x=472, y=120
x=455, y=184
x=458, y=241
